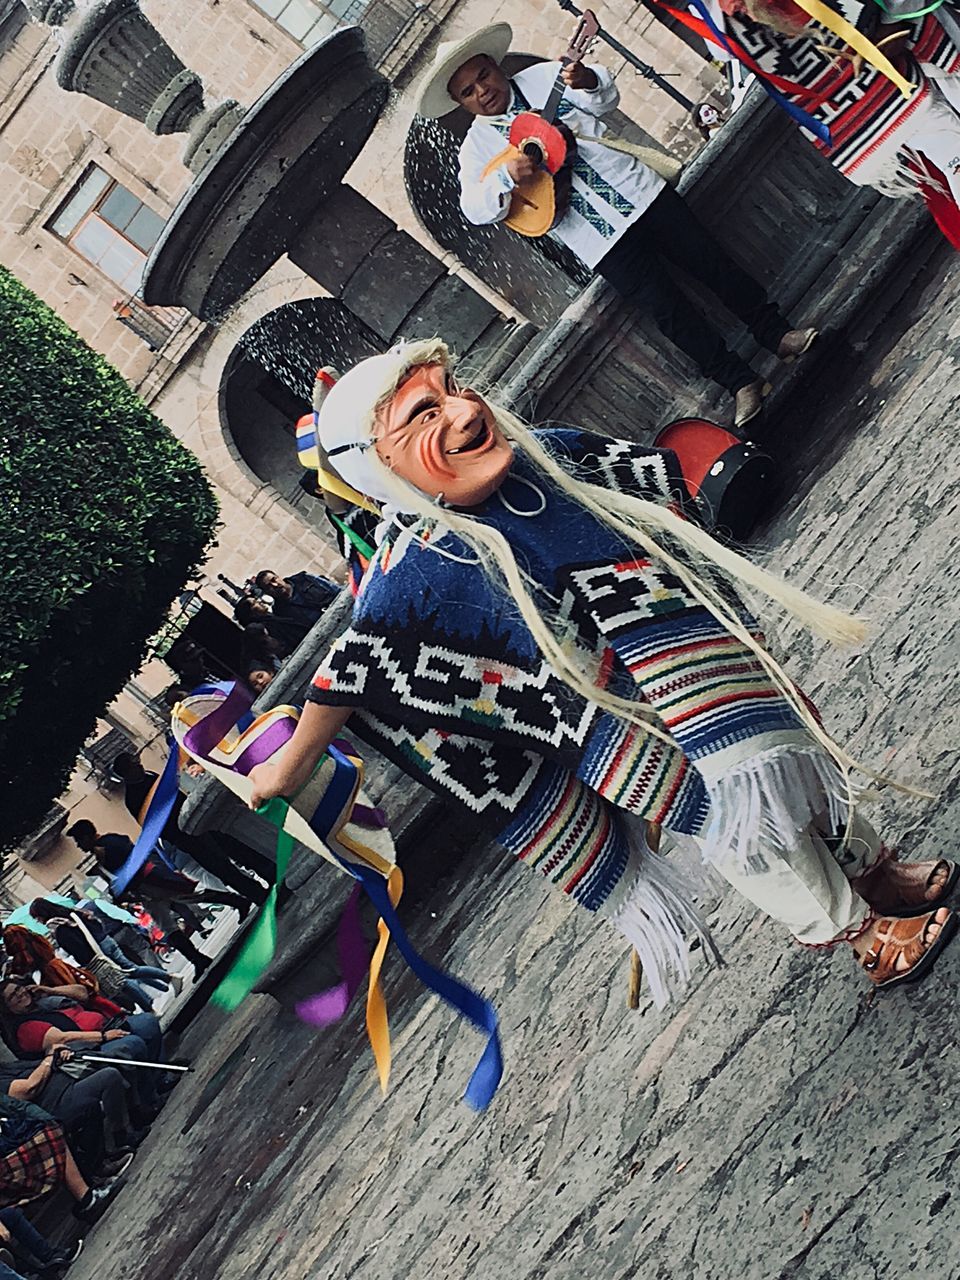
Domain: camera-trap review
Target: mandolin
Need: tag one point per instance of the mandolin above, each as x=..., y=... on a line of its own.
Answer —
x=540, y=202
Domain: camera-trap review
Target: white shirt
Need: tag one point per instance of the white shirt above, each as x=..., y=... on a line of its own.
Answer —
x=611, y=190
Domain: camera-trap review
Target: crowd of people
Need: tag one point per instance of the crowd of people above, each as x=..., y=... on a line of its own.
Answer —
x=276, y=613
x=83, y=1079
x=78, y=982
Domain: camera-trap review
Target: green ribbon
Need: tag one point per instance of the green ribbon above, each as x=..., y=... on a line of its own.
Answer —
x=261, y=943
x=363, y=547
x=917, y=13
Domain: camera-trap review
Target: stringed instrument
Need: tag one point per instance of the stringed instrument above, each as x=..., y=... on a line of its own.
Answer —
x=540, y=202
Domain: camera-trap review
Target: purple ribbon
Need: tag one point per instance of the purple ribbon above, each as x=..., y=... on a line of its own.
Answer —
x=353, y=955
x=201, y=738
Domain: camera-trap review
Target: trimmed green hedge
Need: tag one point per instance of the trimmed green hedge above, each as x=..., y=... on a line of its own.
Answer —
x=104, y=516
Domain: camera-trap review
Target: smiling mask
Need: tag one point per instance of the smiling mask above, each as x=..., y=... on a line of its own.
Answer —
x=402, y=415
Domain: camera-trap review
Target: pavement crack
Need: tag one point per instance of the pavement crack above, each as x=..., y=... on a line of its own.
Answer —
x=792, y=1269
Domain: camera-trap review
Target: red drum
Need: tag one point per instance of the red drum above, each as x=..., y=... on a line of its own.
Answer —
x=727, y=477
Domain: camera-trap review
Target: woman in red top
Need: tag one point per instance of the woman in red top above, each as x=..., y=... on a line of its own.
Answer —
x=37, y=1019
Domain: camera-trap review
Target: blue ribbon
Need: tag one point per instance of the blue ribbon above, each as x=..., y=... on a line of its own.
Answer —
x=162, y=802
x=802, y=118
x=154, y=820
x=464, y=1000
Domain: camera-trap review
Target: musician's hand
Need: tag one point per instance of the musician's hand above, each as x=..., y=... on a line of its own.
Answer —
x=521, y=168
x=577, y=76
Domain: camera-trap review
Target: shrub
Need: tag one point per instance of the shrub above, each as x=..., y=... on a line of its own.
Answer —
x=104, y=516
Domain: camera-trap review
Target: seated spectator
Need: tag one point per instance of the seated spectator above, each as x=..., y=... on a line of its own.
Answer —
x=78, y=932
x=286, y=632
x=303, y=597
x=32, y=1251
x=38, y=1019
x=29, y=953
x=122, y=928
x=95, y=1103
x=35, y=1158
x=259, y=643
x=259, y=677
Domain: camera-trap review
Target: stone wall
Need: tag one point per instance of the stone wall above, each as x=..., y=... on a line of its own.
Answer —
x=48, y=138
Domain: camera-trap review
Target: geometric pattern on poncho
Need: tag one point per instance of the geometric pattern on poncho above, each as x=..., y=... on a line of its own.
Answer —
x=437, y=645
x=708, y=691
x=862, y=111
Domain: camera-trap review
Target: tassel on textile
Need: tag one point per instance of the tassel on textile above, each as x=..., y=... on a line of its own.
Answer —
x=653, y=908
x=765, y=802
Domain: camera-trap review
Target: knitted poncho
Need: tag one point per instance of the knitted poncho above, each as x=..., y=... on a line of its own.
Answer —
x=451, y=685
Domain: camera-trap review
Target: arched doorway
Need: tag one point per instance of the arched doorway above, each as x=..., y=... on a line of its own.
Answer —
x=268, y=384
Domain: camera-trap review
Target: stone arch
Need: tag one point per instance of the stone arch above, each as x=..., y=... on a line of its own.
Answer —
x=538, y=278
x=267, y=384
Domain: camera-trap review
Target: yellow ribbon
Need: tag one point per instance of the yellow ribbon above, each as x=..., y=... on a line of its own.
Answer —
x=333, y=484
x=857, y=41
x=378, y=1029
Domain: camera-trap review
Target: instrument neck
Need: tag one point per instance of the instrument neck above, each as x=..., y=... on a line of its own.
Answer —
x=556, y=93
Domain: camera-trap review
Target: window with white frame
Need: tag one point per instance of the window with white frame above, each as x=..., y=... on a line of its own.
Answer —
x=309, y=21
x=109, y=226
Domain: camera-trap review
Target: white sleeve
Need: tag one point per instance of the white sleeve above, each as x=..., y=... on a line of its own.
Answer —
x=483, y=200
x=605, y=97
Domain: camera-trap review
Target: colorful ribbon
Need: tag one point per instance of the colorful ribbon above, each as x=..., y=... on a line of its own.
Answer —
x=230, y=754
x=160, y=806
x=801, y=117
x=813, y=96
x=260, y=943
x=857, y=41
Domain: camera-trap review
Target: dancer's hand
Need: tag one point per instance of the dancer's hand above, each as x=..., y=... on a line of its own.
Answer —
x=295, y=763
x=267, y=783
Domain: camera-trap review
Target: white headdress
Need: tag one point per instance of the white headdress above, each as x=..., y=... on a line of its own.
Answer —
x=347, y=414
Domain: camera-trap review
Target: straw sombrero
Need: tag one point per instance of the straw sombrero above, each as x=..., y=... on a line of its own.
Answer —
x=433, y=100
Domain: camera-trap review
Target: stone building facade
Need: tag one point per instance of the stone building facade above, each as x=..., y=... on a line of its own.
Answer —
x=85, y=192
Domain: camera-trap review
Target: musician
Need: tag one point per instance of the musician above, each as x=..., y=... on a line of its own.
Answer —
x=623, y=220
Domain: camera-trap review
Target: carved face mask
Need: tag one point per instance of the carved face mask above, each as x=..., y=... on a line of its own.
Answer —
x=443, y=440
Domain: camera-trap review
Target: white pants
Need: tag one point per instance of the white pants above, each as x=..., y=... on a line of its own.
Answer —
x=808, y=888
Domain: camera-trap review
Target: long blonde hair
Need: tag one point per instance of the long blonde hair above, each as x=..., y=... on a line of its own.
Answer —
x=636, y=520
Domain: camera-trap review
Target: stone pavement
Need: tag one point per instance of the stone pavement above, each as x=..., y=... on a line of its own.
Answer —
x=776, y=1124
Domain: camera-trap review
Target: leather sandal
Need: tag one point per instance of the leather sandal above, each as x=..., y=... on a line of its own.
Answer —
x=796, y=343
x=896, y=938
x=886, y=896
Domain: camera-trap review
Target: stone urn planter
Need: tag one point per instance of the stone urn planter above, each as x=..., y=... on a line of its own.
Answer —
x=114, y=54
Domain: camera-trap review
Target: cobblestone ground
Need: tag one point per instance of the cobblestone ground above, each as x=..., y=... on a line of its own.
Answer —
x=778, y=1123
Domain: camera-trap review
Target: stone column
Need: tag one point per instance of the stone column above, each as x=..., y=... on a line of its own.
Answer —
x=396, y=286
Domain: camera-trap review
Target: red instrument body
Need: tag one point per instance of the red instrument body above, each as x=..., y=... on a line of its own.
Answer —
x=551, y=145
x=728, y=478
